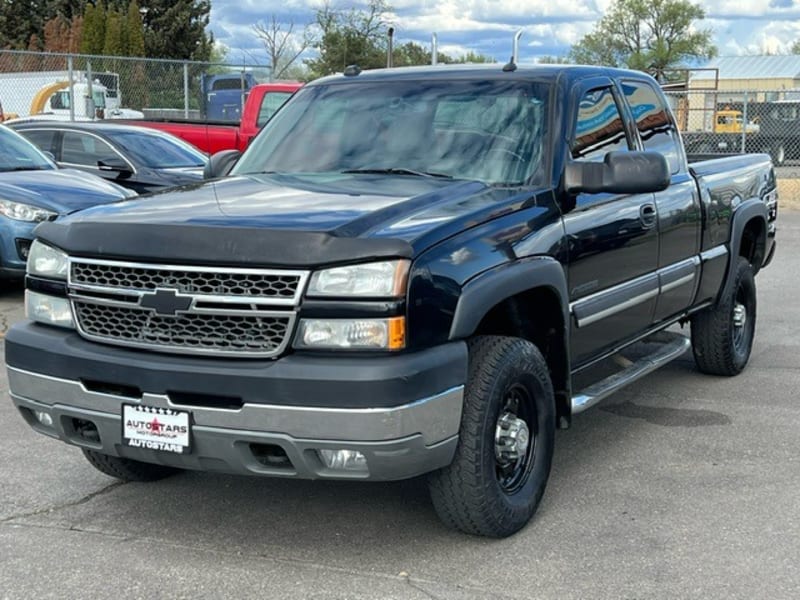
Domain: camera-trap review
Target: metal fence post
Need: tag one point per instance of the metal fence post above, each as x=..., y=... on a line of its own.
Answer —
x=71, y=76
x=185, y=90
x=744, y=124
x=89, y=101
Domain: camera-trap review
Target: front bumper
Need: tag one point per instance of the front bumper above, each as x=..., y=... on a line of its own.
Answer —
x=401, y=434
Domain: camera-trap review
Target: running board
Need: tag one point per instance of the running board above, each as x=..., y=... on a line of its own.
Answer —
x=673, y=346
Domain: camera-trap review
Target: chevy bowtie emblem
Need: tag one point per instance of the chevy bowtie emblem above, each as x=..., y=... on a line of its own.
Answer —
x=165, y=302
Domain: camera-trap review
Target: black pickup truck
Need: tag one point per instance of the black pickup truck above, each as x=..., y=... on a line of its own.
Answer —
x=406, y=273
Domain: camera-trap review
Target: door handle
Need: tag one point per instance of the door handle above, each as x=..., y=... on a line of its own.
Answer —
x=648, y=214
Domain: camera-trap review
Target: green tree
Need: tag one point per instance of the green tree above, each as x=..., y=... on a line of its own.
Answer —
x=648, y=35
x=411, y=53
x=474, y=58
x=135, y=30
x=19, y=21
x=354, y=36
x=795, y=49
x=64, y=8
x=177, y=29
x=553, y=60
x=114, y=44
x=94, y=28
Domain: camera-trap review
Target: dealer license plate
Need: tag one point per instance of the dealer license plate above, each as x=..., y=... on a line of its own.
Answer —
x=154, y=428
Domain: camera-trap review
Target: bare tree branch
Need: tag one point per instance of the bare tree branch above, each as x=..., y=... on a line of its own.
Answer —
x=282, y=45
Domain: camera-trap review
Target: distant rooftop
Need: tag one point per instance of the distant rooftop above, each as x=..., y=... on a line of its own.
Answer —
x=753, y=67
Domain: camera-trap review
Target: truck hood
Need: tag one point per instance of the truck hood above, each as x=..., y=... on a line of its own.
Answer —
x=277, y=220
x=61, y=190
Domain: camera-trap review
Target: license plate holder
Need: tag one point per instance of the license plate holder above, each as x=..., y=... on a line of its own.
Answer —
x=153, y=428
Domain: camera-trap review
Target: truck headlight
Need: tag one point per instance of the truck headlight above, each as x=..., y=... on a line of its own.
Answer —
x=25, y=212
x=385, y=279
x=49, y=310
x=363, y=334
x=46, y=261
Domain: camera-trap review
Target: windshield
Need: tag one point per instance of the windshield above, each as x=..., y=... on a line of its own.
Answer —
x=99, y=99
x=158, y=151
x=18, y=154
x=491, y=131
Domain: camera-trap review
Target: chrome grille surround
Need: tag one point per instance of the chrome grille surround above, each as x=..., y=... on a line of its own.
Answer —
x=209, y=311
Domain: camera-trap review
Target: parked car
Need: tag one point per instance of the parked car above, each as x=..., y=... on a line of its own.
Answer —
x=33, y=189
x=141, y=159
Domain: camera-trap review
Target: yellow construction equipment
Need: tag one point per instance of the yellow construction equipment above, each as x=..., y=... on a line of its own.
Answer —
x=43, y=95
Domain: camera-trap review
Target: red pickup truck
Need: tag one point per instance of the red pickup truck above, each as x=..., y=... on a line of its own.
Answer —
x=262, y=102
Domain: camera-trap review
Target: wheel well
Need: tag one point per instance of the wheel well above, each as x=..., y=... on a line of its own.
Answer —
x=537, y=316
x=754, y=242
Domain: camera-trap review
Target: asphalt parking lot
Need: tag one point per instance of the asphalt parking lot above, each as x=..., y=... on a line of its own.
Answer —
x=681, y=486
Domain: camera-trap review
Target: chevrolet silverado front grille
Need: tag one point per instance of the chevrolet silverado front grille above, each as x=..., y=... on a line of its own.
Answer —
x=186, y=309
x=239, y=282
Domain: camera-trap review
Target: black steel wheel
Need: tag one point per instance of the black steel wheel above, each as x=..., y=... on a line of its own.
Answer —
x=515, y=438
x=502, y=462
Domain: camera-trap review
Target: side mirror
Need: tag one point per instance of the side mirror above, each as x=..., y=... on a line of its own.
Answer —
x=619, y=173
x=220, y=164
x=115, y=163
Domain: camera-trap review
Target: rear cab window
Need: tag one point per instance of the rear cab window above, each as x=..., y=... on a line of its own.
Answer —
x=654, y=121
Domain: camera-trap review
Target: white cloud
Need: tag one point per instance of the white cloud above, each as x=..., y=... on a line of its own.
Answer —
x=550, y=26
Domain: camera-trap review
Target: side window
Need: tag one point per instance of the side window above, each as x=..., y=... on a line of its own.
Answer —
x=654, y=122
x=42, y=138
x=271, y=102
x=599, y=128
x=80, y=149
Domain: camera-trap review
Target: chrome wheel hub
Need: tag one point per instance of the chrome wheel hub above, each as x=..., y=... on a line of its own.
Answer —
x=511, y=439
x=739, y=315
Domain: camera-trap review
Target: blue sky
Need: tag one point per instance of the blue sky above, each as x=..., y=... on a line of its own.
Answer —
x=487, y=26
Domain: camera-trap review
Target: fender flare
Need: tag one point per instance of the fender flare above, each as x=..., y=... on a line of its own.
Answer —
x=482, y=293
x=755, y=208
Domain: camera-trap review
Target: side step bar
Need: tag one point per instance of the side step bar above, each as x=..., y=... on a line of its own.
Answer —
x=672, y=346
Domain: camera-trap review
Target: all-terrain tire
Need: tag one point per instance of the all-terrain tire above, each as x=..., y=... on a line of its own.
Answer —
x=721, y=338
x=475, y=493
x=127, y=469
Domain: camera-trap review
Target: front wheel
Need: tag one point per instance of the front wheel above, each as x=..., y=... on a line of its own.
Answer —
x=505, y=448
x=722, y=335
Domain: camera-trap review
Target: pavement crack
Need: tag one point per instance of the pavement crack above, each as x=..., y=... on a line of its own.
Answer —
x=50, y=509
x=418, y=587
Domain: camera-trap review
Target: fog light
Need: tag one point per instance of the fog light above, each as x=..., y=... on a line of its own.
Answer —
x=43, y=418
x=343, y=460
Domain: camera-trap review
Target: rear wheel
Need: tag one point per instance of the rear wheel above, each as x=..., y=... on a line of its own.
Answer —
x=127, y=469
x=502, y=461
x=722, y=335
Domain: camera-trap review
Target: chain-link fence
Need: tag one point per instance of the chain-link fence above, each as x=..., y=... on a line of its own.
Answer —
x=725, y=122
x=714, y=122
x=80, y=87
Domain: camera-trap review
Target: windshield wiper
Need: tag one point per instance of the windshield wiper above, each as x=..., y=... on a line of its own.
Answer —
x=399, y=171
